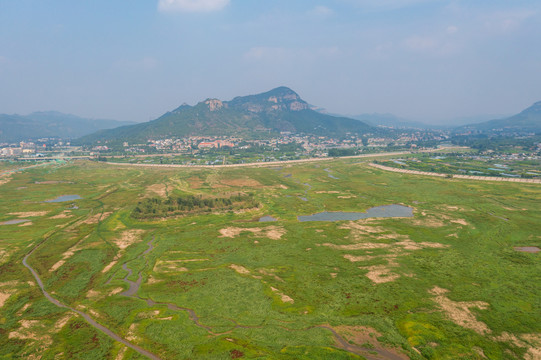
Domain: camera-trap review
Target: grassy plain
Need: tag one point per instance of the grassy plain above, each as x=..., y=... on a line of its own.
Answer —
x=444, y=284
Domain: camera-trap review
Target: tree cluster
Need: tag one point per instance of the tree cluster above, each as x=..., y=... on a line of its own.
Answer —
x=185, y=204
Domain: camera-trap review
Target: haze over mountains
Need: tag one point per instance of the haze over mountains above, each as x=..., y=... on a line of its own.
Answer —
x=252, y=116
x=272, y=112
x=14, y=128
x=527, y=120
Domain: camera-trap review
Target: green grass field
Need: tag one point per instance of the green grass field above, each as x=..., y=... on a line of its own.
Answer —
x=444, y=284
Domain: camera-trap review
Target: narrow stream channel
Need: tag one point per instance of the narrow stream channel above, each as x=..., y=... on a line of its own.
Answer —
x=91, y=321
x=342, y=343
x=134, y=288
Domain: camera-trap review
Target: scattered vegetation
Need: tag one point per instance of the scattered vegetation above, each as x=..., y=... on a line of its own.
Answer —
x=445, y=284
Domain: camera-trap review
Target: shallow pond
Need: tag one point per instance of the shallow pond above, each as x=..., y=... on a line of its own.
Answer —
x=530, y=249
x=267, y=219
x=64, y=198
x=330, y=175
x=13, y=222
x=384, y=211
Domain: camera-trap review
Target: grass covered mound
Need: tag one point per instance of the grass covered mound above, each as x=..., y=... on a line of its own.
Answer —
x=190, y=204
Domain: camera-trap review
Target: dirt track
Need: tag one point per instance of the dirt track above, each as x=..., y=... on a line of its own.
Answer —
x=466, y=177
x=262, y=164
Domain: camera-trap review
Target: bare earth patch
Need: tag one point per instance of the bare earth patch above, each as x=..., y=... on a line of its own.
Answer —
x=358, y=246
x=4, y=296
x=62, y=322
x=128, y=238
x=121, y=353
x=271, y=232
x=4, y=180
x=28, y=223
x=92, y=294
x=358, y=334
x=69, y=253
x=240, y=269
x=115, y=291
x=109, y=266
x=361, y=335
x=429, y=221
x=460, y=221
x=271, y=274
x=380, y=274
x=29, y=213
x=360, y=234
x=283, y=297
x=174, y=265
x=459, y=312
x=63, y=215
x=240, y=182
x=156, y=189
x=532, y=342
x=94, y=219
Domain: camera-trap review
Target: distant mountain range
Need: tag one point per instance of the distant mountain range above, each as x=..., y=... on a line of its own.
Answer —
x=253, y=116
x=15, y=128
x=390, y=120
x=529, y=120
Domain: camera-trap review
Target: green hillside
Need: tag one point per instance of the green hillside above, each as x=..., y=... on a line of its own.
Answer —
x=529, y=120
x=253, y=116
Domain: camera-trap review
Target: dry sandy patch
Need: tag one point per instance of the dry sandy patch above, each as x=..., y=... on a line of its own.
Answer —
x=429, y=221
x=121, y=353
x=380, y=273
x=240, y=269
x=94, y=219
x=358, y=246
x=63, y=215
x=28, y=223
x=128, y=238
x=240, y=182
x=412, y=245
x=156, y=189
x=283, y=297
x=532, y=342
x=5, y=180
x=115, y=291
x=271, y=232
x=67, y=254
x=357, y=334
x=29, y=213
x=459, y=312
x=109, y=266
x=173, y=265
x=4, y=296
x=92, y=294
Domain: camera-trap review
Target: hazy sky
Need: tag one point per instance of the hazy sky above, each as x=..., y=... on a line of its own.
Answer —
x=428, y=60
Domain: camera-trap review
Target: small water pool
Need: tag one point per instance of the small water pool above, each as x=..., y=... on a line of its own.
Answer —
x=64, y=198
x=385, y=211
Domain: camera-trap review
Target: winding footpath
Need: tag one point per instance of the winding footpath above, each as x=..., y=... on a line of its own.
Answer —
x=91, y=321
x=466, y=177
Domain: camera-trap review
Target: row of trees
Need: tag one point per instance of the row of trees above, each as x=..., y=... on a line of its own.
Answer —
x=178, y=205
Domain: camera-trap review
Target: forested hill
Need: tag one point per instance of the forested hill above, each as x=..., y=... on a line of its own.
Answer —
x=252, y=116
x=528, y=120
